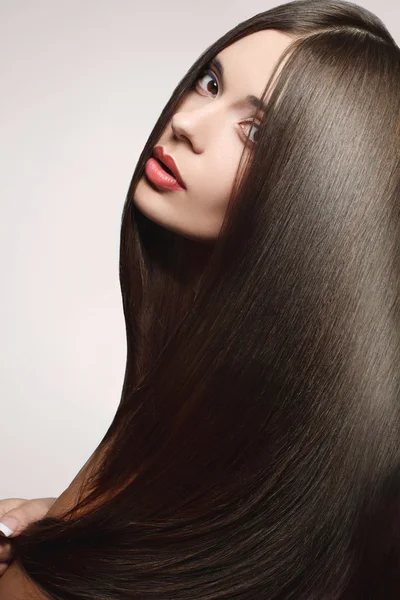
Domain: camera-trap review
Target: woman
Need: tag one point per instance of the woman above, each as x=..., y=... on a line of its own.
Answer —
x=255, y=453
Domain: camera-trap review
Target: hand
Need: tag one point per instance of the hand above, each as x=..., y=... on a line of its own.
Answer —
x=25, y=511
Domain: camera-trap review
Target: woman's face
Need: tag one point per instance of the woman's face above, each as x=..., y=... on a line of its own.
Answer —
x=206, y=136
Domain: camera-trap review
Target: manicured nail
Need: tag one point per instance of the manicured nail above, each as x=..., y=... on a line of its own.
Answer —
x=8, y=525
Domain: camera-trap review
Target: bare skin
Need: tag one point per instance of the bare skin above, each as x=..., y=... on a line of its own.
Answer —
x=25, y=511
x=14, y=584
x=206, y=137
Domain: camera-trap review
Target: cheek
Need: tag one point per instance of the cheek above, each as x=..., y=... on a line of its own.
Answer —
x=217, y=186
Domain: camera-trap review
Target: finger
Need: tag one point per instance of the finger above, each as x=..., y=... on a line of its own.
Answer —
x=9, y=503
x=6, y=551
x=16, y=520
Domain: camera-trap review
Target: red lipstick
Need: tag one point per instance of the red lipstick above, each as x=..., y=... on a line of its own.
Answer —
x=158, y=175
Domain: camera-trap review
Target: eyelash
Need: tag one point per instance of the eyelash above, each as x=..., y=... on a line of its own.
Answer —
x=211, y=73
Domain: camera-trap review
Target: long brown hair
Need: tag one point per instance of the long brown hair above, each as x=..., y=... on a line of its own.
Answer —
x=255, y=452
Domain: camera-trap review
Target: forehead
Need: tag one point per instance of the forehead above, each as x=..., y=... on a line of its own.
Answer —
x=248, y=63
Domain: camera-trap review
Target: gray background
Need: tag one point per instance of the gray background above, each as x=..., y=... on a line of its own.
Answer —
x=82, y=84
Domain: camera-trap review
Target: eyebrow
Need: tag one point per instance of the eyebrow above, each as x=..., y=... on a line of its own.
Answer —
x=250, y=99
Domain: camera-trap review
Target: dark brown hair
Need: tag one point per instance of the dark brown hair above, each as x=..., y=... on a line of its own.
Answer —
x=255, y=453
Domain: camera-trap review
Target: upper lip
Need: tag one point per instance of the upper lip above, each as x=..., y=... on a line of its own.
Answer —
x=169, y=161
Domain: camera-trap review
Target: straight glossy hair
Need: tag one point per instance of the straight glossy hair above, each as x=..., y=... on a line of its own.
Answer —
x=255, y=452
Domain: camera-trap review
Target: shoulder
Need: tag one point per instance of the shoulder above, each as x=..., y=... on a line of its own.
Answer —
x=16, y=585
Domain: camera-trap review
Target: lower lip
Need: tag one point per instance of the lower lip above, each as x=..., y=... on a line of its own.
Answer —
x=157, y=175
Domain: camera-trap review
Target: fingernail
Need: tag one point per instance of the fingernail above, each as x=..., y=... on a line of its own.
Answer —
x=8, y=525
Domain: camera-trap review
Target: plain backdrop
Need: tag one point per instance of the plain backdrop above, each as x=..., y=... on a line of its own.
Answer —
x=82, y=85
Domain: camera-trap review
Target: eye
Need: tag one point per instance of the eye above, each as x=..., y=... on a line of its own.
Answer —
x=253, y=140
x=212, y=85
x=209, y=84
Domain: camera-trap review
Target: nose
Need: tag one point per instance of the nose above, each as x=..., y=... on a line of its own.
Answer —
x=184, y=129
x=196, y=125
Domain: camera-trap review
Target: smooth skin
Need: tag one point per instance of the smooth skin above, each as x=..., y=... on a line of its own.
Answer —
x=14, y=584
x=206, y=137
x=26, y=511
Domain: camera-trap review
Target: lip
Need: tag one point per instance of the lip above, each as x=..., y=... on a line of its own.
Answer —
x=169, y=161
x=158, y=176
